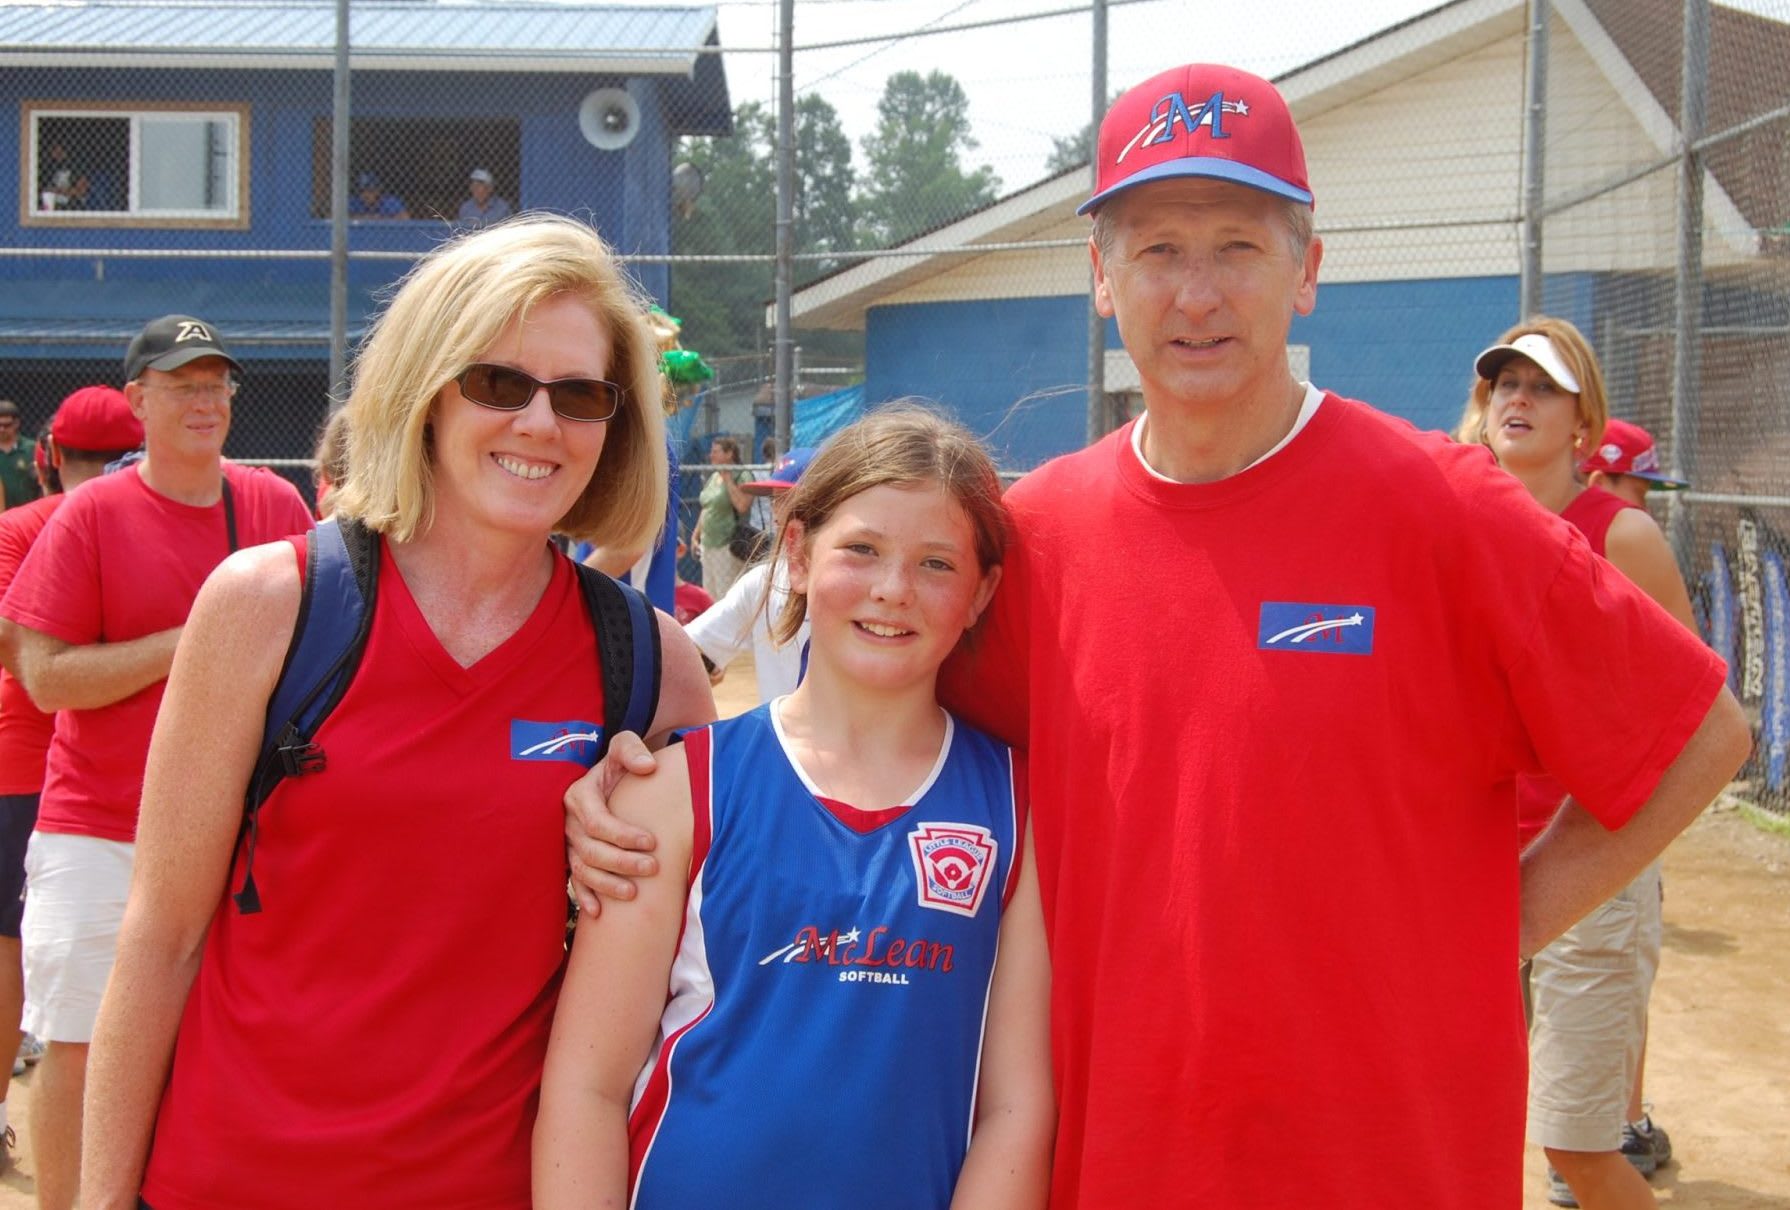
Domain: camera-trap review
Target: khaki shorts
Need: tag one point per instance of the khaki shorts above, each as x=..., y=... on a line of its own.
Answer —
x=75, y=888
x=1588, y=993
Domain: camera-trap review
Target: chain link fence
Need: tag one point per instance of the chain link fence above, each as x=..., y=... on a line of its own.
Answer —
x=1623, y=163
x=1665, y=234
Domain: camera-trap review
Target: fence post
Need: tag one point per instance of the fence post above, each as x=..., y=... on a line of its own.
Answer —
x=1687, y=286
x=1097, y=417
x=786, y=242
x=1535, y=100
x=338, y=218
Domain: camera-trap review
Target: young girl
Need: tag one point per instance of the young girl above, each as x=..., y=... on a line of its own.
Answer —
x=842, y=866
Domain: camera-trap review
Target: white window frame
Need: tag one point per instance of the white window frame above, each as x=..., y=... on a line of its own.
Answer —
x=234, y=217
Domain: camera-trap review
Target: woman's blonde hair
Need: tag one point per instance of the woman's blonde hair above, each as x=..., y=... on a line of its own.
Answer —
x=445, y=314
x=1575, y=351
x=903, y=444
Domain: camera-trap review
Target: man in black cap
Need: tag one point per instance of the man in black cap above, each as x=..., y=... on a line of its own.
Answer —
x=99, y=604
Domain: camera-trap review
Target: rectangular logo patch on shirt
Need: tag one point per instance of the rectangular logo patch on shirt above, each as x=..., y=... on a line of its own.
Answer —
x=1331, y=629
x=573, y=740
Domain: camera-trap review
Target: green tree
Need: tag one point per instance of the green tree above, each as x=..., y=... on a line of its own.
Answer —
x=722, y=305
x=914, y=175
x=825, y=212
x=1074, y=151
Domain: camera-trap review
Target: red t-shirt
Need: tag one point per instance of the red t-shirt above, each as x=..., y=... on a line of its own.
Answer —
x=1274, y=723
x=1539, y=797
x=120, y=561
x=24, y=729
x=375, y=1035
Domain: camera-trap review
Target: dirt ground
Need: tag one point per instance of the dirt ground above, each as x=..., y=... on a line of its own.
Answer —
x=1718, y=1062
x=1718, y=1068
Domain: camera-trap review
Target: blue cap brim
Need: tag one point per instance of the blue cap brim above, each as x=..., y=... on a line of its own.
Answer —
x=1663, y=482
x=1211, y=167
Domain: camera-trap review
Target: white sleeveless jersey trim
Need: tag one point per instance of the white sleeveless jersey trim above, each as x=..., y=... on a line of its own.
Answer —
x=912, y=799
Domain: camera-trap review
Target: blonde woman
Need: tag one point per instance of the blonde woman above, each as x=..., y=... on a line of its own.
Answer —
x=1538, y=403
x=376, y=1032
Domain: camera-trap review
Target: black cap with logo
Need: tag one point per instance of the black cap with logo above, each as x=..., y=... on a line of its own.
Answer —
x=170, y=342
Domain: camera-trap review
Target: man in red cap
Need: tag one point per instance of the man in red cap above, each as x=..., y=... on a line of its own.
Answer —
x=1277, y=840
x=96, y=609
x=1278, y=659
x=91, y=427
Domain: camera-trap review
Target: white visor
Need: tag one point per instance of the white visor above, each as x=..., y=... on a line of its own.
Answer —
x=1536, y=348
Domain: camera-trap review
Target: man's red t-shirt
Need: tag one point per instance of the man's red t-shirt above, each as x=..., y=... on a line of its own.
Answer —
x=1274, y=724
x=120, y=561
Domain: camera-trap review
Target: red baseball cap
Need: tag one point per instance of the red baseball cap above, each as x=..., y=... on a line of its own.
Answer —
x=98, y=420
x=1627, y=449
x=1203, y=120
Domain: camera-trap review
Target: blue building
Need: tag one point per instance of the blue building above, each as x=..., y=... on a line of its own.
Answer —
x=177, y=157
x=1414, y=141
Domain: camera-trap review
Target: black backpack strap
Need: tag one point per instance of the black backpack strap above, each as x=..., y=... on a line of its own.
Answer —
x=229, y=513
x=335, y=615
x=627, y=649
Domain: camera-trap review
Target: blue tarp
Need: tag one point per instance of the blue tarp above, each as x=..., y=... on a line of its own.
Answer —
x=821, y=416
x=679, y=423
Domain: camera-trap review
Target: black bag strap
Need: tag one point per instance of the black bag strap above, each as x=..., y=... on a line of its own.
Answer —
x=628, y=651
x=229, y=514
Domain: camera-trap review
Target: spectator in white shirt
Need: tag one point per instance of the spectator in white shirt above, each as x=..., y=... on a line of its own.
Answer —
x=741, y=618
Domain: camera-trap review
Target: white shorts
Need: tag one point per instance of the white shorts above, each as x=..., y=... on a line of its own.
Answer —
x=75, y=888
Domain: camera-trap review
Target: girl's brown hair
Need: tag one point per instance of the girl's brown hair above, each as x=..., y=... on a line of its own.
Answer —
x=903, y=444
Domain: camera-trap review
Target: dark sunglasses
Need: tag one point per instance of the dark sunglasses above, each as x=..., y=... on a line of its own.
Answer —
x=507, y=390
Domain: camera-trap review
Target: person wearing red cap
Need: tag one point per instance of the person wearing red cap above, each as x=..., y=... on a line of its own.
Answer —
x=97, y=608
x=92, y=426
x=1277, y=843
x=1625, y=464
x=1538, y=403
x=1297, y=827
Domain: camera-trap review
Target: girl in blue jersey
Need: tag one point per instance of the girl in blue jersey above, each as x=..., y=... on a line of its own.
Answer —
x=806, y=1009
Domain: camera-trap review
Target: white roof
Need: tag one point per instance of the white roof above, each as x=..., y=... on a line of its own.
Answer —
x=395, y=35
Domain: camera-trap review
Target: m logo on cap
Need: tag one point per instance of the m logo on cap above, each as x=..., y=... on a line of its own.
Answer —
x=192, y=330
x=1173, y=109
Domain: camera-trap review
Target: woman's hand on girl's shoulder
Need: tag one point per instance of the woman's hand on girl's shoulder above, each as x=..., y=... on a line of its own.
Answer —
x=605, y=852
x=658, y=804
